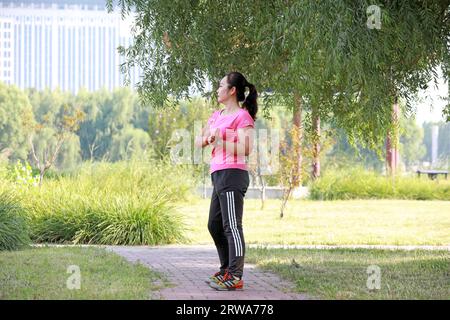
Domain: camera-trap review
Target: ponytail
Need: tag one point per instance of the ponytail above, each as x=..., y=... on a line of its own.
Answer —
x=250, y=102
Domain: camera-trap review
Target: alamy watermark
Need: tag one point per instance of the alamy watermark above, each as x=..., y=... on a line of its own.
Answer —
x=74, y=281
x=373, y=17
x=374, y=278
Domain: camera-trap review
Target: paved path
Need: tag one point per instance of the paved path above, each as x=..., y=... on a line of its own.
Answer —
x=187, y=267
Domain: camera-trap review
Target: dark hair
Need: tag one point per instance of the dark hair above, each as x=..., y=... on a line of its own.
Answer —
x=237, y=80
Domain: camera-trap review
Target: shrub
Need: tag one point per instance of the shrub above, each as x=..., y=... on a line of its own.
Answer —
x=13, y=225
x=361, y=184
x=119, y=203
x=142, y=219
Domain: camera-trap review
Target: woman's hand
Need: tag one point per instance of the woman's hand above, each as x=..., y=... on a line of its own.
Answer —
x=211, y=139
x=216, y=138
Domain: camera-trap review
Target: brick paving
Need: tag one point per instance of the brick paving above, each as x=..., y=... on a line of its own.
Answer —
x=187, y=267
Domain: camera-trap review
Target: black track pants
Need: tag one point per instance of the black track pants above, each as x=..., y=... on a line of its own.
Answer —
x=225, y=217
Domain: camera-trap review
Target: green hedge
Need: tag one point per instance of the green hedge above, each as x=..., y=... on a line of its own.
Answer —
x=361, y=184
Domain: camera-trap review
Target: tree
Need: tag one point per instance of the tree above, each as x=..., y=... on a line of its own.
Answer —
x=16, y=115
x=311, y=45
x=443, y=143
x=411, y=145
x=47, y=109
x=129, y=143
x=310, y=54
x=49, y=135
x=412, y=148
x=107, y=114
x=88, y=133
x=343, y=155
x=289, y=165
x=163, y=124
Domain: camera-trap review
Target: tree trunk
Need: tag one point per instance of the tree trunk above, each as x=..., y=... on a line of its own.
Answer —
x=316, y=144
x=392, y=152
x=41, y=176
x=297, y=122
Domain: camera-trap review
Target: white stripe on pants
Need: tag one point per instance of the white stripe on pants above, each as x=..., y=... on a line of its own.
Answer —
x=233, y=224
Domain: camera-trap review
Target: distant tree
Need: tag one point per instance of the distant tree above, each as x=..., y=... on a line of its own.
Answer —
x=129, y=143
x=107, y=114
x=412, y=148
x=444, y=141
x=50, y=133
x=69, y=156
x=140, y=115
x=88, y=133
x=163, y=123
x=16, y=116
x=345, y=155
x=47, y=108
x=427, y=140
x=443, y=160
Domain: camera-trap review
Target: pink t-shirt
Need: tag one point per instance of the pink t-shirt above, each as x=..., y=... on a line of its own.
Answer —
x=228, y=124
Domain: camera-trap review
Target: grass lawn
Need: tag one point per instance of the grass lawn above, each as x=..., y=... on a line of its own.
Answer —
x=375, y=222
x=342, y=273
x=41, y=273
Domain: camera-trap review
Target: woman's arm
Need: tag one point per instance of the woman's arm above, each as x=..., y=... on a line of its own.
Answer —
x=201, y=141
x=244, y=144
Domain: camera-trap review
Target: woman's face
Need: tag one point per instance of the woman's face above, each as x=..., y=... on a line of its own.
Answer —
x=223, y=92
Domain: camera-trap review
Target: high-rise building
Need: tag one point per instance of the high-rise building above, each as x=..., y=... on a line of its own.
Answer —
x=66, y=43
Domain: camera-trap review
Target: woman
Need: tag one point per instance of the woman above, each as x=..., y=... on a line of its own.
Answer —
x=230, y=131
